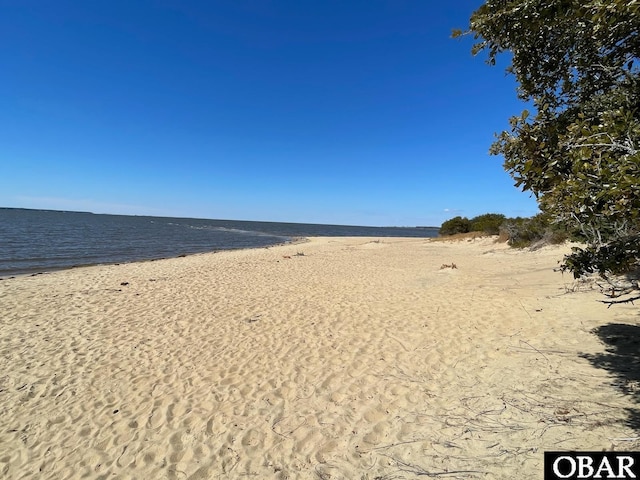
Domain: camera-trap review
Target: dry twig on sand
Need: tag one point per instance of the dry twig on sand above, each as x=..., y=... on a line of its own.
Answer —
x=448, y=265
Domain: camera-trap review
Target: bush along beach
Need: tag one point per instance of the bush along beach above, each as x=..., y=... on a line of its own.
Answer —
x=519, y=232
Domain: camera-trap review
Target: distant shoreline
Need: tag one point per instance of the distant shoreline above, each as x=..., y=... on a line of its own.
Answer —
x=214, y=219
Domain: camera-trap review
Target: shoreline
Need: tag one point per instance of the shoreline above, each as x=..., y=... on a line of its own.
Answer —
x=341, y=357
x=38, y=271
x=40, y=240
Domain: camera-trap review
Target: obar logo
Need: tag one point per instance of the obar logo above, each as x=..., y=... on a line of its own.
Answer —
x=600, y=465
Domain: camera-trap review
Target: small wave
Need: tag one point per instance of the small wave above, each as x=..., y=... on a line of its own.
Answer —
x=237, y=231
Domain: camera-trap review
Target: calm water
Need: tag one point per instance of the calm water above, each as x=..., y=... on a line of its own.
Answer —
x=43, y=240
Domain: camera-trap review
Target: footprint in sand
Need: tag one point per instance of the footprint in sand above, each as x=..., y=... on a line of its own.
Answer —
x=253, y=442
x=177, y=447
x=379, y=433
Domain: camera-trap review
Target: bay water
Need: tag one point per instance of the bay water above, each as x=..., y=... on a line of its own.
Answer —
x=34, y=241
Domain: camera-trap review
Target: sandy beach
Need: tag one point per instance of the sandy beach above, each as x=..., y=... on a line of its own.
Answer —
x=338, y=358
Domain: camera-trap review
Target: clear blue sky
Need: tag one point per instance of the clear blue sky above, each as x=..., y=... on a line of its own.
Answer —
x=358, y=112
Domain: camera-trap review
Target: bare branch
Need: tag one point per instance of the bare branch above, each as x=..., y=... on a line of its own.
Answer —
x=617, y=146
x=616, y=302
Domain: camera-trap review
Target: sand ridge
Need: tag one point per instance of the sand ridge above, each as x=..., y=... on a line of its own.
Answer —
x=338, y=358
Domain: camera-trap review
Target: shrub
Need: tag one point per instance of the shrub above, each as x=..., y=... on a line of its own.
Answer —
x=488, y=223
x=455, y=225
x=535, y=231
x=518, y=232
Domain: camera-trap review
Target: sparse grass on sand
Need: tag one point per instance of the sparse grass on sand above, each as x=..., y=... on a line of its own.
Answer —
x=457, y=237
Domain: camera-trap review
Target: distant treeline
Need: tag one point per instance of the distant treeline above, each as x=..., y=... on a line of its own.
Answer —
x=518, y=232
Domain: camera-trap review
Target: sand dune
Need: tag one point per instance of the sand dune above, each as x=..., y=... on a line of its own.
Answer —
x=339, y=358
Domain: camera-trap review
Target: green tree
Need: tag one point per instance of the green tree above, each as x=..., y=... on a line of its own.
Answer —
x=577, y=62
x=455, y=225
x=488, y=223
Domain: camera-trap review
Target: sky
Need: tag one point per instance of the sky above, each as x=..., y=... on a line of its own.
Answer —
x=356, y=112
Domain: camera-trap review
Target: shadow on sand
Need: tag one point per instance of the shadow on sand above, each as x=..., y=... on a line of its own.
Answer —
x=622, y=359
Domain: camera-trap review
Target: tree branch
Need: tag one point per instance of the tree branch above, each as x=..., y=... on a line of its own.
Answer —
x=615, y=302
x=628, y=149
